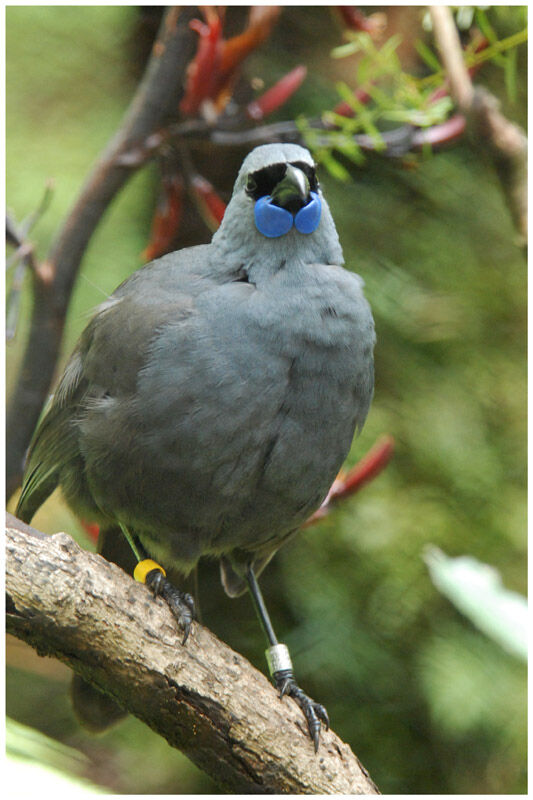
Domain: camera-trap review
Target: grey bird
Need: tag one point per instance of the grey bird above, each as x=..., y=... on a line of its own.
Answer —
x=210, y=403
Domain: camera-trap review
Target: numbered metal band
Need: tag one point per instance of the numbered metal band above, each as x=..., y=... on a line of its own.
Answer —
x=278, y=658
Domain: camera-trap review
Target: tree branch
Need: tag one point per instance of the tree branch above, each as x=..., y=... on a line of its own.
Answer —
x=152, y=107
x=396, y=142
x=502, y=140
x=204, y=698
x=449, y=44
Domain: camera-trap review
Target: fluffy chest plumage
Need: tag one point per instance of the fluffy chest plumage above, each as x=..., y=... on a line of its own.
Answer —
x=253, y=402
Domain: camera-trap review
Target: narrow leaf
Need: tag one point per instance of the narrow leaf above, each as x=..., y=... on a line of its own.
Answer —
x=427, y=55
x=476, y=590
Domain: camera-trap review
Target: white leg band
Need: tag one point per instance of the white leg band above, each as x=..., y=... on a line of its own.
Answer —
x=278, y=658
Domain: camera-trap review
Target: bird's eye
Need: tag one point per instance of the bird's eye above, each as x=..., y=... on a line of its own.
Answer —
x=261, y=182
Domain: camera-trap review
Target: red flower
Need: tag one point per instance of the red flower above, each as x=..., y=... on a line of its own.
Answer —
x=167, y=217
x=213, y=71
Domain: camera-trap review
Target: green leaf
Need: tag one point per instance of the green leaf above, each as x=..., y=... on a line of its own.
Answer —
x=358, y=42
x=370, y=128
x=388, y=51
x=476, y=590
x=381, y=98
x=490, y=34
x=351, y=150
x=365, y=70
x=344, y=50
x=346, y=94
x=510, y=75
x=486, y=28
x=427, y=55
x=334, y=167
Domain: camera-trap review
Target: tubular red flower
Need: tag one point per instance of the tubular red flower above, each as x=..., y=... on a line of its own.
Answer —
x=364, y=471
x=211, y=206
x=367, y=468
x=442, y=134
x=203, y=68
x=167, y=217
x=278, y=94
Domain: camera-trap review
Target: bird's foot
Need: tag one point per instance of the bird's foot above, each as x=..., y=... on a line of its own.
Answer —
x=180, y=603
x=315, y=713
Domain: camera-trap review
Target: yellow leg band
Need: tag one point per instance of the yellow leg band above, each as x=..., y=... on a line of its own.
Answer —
x=144, y=567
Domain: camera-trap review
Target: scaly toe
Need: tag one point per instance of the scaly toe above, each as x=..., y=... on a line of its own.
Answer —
x=181, y=604
x=322, y=714
x=315, y=713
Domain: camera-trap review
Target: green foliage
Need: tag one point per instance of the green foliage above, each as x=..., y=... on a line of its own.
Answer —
x=459, y=664
x=398, y=97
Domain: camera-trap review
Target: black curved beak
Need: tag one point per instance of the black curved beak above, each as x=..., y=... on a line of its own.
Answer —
x=293, y=190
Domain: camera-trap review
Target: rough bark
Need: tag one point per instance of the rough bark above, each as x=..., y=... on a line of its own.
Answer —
x=204, y=698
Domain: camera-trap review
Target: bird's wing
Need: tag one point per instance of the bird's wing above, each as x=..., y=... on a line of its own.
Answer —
x=106, y=360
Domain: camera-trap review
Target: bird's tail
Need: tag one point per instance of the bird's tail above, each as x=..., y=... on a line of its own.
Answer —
x=49, y=449
x=94, y=710
x=35, y=490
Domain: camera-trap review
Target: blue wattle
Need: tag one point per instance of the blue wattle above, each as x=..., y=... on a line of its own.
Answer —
x=271, y=220
x=308, y=217
x=274, y=221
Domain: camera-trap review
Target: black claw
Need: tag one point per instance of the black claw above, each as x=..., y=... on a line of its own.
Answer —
x=186, y=631
x=313, y=723
x=313, y=712
x=284, y=688
x=322, y=714
x=189, y=600
x=181, y=604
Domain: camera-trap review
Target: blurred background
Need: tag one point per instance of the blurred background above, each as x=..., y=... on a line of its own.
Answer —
x=427, y=701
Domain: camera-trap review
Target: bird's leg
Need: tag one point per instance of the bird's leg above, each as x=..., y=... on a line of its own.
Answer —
x=153, y=575
x=280, y=666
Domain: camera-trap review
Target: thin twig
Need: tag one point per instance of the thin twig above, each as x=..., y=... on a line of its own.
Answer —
x=394, y=143
x=22, y=259
x=449, y=44
x=30, y=221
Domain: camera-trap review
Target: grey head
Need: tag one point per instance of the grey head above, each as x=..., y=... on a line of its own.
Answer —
x=286, y=173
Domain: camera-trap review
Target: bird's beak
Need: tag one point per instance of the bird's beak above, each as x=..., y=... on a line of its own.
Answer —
x=293, y=190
